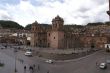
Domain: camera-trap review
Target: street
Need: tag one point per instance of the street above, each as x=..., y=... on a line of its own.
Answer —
x=85, y=64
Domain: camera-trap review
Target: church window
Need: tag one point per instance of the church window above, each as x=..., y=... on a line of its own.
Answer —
x=48, y=44
x=49, y=34
x=36, y=44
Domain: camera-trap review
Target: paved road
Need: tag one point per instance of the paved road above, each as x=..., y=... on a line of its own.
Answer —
x=82, y=65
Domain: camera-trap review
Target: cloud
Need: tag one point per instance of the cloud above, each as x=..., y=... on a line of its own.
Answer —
x=14, y=2
x=4, y=15
x=73, y=11
x=100, y=2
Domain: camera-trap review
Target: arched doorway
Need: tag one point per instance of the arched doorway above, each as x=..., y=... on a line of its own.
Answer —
x=28, y=42
x=92, y=46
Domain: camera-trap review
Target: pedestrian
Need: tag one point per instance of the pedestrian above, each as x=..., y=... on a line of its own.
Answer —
x=31, y=69
x=38, y=67
x=34, y=65
x=24, y=69
x=22, y=61
x=96, y=64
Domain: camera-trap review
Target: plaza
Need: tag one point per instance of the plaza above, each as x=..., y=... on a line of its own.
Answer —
x=85, y=64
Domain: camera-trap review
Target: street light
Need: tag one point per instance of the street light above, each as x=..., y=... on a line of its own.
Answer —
x=15, y=50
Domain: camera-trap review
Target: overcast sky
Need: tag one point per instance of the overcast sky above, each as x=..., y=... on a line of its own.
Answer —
x=73, y=11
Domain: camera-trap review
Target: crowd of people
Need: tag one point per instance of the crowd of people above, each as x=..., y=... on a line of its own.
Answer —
x=32, y=68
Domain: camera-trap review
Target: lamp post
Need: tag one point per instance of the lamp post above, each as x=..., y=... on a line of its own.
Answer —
x=15, y=51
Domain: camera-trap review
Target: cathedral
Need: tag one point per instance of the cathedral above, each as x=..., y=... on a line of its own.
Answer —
x=56, y=37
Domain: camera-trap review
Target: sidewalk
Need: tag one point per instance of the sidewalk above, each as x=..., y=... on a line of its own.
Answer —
x=9, y=64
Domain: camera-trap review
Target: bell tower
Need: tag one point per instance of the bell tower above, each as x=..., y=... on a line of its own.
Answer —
x=34, y=26
x=57, y=23
x=57, y=33
x=34, y=30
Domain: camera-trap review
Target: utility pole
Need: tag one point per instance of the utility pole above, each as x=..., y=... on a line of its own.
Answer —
x=15, y=51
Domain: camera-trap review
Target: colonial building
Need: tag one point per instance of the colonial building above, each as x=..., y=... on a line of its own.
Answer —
x=14, y=36
x=57, y=37
x=38, y=36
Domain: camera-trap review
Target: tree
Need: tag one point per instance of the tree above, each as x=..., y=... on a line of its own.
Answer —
x=28, y=27
x=10, y=24
x=107, y=23
x=95, y=24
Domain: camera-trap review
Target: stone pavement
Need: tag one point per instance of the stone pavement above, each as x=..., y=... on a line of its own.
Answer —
x=7, y=56
x=9, y=64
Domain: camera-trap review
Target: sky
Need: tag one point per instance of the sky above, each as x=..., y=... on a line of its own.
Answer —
x=78, y=12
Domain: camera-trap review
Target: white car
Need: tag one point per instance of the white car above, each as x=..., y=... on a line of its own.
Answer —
x=49, y=61
x=103, y=65
x=2, y=47
x=28, y=53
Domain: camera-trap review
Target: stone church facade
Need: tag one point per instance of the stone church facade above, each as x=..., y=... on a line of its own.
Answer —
x=57, y=37
x=53, y=37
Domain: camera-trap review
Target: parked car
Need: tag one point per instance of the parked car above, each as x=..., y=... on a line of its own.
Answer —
x=2, y=47
x=49, y=61
x=103, y=65
x=28, y=53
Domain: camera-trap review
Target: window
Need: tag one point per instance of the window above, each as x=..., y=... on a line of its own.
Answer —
x=54, y=37
x=48, y=44
x=49, y=34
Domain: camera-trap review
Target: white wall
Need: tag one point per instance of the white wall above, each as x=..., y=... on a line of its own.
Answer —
x=106, y=45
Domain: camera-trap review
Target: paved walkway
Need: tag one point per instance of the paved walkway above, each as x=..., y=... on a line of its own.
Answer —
x=9, y=64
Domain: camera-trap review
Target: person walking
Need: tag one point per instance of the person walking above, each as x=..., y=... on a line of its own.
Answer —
x=24, y=69
x=31, y=69
x=22, y=61
x=38, y=67
x=96, y=64
x=34, y=67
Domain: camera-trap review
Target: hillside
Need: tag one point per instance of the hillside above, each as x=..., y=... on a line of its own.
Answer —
x=10, y=24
